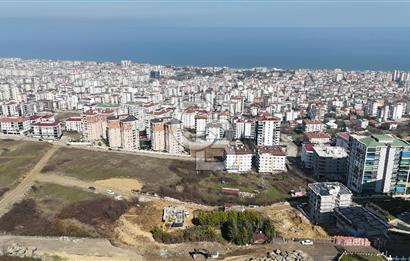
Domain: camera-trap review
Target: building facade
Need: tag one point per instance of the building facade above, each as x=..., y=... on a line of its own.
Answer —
x=324, y=197
x=378, y=164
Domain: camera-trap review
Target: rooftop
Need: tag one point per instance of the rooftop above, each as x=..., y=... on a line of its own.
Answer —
x=238, y=149
x=330, y=151
x=381, y=140
x=274, y=150
x=329, y=188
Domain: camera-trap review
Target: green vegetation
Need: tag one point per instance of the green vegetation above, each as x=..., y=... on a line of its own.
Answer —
x=194, y=234
x=47, y=191
x=361, y=257
x=232, y=226
x=17, y=158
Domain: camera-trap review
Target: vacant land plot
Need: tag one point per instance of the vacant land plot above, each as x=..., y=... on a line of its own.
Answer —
x=96, y=165
x=173, y=178
x=17, y=158
x=44, y=212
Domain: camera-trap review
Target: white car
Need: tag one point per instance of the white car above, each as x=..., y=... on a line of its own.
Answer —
x=110, y=192
x=306, y=242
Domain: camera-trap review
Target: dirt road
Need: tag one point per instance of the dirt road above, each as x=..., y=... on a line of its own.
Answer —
x=18, y=193
x=73, y=249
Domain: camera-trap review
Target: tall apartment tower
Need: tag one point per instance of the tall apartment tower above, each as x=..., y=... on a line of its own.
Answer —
x=267, y=130
x=158, y=134
x=114, y=131
x=130, y=133
x=378, y=164
x=173, y=136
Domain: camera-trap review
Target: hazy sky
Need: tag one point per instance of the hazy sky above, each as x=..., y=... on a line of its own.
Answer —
x=221, y=13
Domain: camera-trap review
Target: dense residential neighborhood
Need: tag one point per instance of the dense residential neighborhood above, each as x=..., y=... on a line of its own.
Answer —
x=344, y=134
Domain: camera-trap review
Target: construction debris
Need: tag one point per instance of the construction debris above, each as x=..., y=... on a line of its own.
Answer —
x=278, y=255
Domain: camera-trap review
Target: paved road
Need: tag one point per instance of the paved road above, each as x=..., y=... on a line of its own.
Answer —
x=62, y=143
x=18, y=193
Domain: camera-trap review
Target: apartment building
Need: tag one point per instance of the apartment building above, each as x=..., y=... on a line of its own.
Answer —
x=74, y=124
x=312, y=125
x=173, y=136
x=244, y=128
x=46, y=130
x=238, y=158
x=129, y=133
x=114, y=131
x=93, y=127
x=324, y=197
x=307, y=155
x=317, y=137
x=158, y=134
x=329, y=163
x=214, y=131
x=15, y=125
x=270, y=159
x=267, y=130
x=201, y=120
x=378, y=164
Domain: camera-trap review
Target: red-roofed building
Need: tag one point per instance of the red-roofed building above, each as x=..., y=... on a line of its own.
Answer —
x=15, y=125
x=46, y=130
x=317, y=137
x=342, y=139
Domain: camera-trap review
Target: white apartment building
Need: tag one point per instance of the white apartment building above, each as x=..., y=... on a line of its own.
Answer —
x=15, y=125
x=270, y=159
x=201, y=120
x=74, y=124
x=46, y=130
x=313, y=125
x=267, y=130
x=244, y=128
x=214, y=131
x=324, y=197
x=238, y=158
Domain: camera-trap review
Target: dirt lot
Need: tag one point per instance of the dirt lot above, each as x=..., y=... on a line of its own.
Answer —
x=93, y=165
x=54, y=210
x=290, y=223
x=17, y=158
x=173, y=178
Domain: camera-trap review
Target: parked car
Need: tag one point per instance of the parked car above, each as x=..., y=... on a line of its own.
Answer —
x=306, y=242
x=91, y=188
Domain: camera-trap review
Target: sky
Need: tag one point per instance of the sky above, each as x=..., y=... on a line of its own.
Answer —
x=218, y=13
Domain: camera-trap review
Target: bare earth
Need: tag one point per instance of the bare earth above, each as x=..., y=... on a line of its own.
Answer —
x=17, y=194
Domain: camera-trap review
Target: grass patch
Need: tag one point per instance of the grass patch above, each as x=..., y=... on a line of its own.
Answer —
x=17, y=158
x=47, y=191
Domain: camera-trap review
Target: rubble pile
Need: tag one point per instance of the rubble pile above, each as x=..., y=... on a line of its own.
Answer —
x=16, y=250
x=278, y=255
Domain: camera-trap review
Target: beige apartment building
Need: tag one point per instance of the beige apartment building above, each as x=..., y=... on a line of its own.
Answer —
x=123, y=132
x=173, y=136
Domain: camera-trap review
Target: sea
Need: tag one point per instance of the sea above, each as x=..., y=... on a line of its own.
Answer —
x=245, y=47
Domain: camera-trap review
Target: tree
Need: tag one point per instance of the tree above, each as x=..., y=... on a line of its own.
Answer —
x=268, y=228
